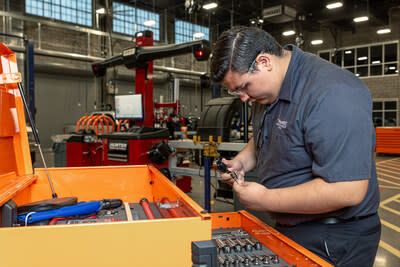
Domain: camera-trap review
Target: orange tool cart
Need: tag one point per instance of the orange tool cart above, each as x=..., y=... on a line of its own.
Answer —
x=387, y=140
x=155, y=223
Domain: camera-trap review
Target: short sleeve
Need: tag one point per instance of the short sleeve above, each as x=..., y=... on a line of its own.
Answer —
x=339, y=133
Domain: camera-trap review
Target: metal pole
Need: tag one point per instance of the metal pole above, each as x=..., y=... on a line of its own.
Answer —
x=207, y=179
x=21, y=91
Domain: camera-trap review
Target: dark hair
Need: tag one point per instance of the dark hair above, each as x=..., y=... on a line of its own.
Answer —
x=238, y=47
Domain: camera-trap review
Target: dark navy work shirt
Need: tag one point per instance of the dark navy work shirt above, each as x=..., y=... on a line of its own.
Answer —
x=319, y=126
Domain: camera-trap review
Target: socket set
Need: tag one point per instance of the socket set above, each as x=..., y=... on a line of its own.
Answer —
x=237, y=248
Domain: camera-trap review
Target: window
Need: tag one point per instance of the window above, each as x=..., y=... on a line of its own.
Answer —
x=186, y=32
x=73, y=11
x=366, y=61
x=384, y=113
x=128, y=20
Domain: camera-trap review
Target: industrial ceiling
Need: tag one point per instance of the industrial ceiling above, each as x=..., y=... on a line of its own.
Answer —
x=310, y=15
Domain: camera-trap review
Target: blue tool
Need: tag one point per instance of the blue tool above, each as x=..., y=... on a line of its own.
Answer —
x=81, y=208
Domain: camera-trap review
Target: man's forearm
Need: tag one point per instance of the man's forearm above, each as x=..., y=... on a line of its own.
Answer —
x=314, y=197
x=248, y=156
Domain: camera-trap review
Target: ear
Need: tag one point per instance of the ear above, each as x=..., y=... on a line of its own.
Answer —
x=265, y=60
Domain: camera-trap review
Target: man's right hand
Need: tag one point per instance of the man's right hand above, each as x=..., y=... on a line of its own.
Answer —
x=233, y=166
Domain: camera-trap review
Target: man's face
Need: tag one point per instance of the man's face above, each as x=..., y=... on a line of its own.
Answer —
x=258, y=85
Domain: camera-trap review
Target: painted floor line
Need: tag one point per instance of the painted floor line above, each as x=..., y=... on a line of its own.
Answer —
x=389, y=187
x=388, y=181
x=389, y=248
x=391, y=164
x=390, y=209
x=390, y=199
x=381, y=170
x=391, y=226
x=388, y=169
x=388, y=160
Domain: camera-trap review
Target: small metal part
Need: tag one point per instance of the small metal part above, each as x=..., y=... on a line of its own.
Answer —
x=220, y=260
x=239, y=258
x=258, y=245
x=248, y=256
x=227, y=249
x=230, y=243
x=248, y=247
x=220, y=244
x=275, y=259
x=222, y=168
x=240, y=242
x=230, y=259
x=257, y=261
x=258, y=256
x=266, y=260
x=251, y=242
x=246, y=262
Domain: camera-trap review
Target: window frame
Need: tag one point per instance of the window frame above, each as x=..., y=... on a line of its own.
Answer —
x=384, y=111
x=58, y=11
x=135, y=24
x=187, y=38
x=369, y=64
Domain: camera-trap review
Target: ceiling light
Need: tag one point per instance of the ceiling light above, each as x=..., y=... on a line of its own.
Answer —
x=357, y=74
x=101, y=11
x=376, y=62
x=316, y=42
x=383, y=31
x=362, y=58
x=261, y=21
x=392, y=68
x=149, y=23
x=348, y=52
x=360, y=19
x=334, y=5
x=198, y=35
x=288, y=33
x=210, y=5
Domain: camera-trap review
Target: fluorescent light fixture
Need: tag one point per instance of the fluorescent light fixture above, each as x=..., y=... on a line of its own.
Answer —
x=210, y=5
x=392, y=68
x=376, y=62
x=334, y=5
x=149, y=23
x=357, y=74
x=316, y=42
x=101, y=11
x=198, y=35
x=261, y=21
x=383, y=31
x=360, y=19
x=288, y=33
x=348, y=52
x=362, y=58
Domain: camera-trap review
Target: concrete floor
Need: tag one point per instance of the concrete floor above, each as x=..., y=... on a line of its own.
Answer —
x=388, y=168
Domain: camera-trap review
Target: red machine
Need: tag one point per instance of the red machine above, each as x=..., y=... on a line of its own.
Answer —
x=140, y=143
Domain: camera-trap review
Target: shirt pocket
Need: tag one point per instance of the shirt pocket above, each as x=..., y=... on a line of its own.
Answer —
x=286, y=151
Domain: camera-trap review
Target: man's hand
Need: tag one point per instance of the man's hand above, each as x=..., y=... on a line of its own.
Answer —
x=233, y=166
x=251, y=195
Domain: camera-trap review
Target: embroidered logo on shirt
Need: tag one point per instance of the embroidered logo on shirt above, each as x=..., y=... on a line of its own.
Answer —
x=280, y=124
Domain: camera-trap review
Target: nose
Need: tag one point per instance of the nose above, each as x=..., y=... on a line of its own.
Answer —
x=244, y=97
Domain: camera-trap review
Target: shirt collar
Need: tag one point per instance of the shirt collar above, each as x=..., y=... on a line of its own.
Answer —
x=285, y=92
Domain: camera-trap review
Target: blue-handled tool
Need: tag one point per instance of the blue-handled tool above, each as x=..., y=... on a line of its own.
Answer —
x=81, y=208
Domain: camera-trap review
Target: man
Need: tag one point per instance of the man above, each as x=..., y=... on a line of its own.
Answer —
x=313, y=145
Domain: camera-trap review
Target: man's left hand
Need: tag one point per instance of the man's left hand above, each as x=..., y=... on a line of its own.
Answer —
x=251, y=195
